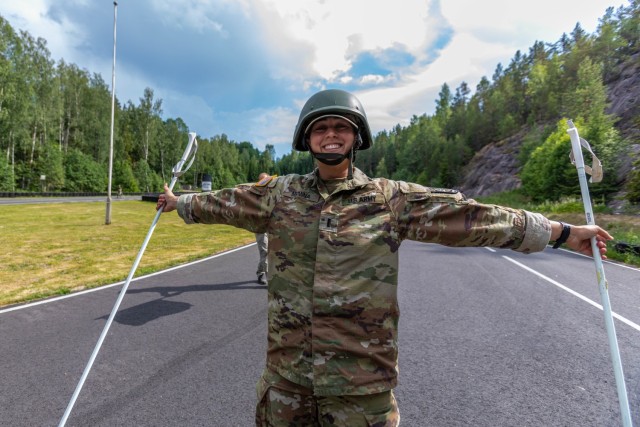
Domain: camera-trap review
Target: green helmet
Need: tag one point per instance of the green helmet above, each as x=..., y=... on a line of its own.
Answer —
x=327, y=103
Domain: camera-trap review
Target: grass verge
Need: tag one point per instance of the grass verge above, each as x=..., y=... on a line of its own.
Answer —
x=58, y=248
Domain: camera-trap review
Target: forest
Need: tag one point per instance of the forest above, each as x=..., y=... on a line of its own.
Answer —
x=55, y=123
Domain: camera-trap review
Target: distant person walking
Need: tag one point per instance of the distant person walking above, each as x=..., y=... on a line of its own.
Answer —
x=263, y=243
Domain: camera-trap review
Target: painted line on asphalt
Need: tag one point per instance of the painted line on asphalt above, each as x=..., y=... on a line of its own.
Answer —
x=572, y=292
x=604, y=260
x=617, y=264
x=99, y=288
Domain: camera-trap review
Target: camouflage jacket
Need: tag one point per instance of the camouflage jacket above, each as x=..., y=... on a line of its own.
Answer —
x=333, y=265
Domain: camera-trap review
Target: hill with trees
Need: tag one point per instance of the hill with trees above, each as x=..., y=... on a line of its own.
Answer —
x=510, y=133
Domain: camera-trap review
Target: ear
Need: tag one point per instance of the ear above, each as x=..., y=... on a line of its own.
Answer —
x=358, y=141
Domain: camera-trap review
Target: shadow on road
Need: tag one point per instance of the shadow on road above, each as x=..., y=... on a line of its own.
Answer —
x=146, y=312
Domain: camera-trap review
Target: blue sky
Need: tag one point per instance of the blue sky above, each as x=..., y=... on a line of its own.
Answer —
x=245, y=67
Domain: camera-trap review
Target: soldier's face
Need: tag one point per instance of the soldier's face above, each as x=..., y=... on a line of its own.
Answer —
x=331, y=135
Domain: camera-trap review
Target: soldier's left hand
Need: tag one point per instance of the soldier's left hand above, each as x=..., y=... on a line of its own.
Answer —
x=167, y=201
x=580, y=239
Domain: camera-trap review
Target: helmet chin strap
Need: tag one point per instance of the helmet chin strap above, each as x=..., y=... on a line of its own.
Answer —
x=334, y=159
x=331, y=159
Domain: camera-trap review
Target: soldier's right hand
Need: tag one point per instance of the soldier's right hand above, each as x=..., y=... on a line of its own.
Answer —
x=168, y=201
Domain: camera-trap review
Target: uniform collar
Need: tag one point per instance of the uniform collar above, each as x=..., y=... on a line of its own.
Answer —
x=360, y=179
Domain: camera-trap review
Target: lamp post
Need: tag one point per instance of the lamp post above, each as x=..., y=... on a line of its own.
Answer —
x=107, y=220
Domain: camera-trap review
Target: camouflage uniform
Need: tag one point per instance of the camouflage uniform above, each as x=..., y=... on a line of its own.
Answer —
x=333, y=307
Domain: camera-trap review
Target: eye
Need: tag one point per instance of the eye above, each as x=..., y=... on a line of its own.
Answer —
x=342, y=128
x=320, y=129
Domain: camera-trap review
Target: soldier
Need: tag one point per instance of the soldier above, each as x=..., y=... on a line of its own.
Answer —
x=333, y=308
x=262, y=240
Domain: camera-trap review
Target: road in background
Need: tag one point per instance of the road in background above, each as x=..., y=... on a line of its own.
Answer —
x=62, y=199
x=483, y=342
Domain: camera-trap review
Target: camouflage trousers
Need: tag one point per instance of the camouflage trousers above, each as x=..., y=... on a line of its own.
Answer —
x=296, y=406
x=262, y=239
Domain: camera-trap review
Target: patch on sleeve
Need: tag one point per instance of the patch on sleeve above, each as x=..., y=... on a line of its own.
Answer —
x=265, y=181
x=415, y=192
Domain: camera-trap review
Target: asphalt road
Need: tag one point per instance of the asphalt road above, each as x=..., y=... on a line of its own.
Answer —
x=483, y=342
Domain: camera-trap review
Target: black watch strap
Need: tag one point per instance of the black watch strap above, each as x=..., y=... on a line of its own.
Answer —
x=566, y=230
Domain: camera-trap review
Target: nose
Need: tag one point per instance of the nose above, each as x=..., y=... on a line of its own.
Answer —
x=331, y=130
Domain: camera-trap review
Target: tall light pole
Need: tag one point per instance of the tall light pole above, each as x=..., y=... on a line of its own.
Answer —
x=107, y=220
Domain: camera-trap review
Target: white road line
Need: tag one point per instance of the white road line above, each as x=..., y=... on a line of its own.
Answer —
x=572, y=292
x=617, y=264
x=99, y=288
x=604, y=260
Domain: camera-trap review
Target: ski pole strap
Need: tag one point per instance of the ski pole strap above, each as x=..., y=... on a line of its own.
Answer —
x=189, y=154
x=595, y=170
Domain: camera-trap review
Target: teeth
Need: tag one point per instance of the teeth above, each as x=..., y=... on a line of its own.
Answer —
x=332, y=146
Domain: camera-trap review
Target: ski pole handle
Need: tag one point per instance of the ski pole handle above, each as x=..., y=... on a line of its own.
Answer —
x=576, y=149
x=188, y=155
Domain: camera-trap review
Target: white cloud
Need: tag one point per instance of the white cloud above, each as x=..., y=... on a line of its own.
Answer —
x=521, y=23
x=197, y=15
x=465, y=59
x=271, y=126
x=336, y=30
x=63, y=36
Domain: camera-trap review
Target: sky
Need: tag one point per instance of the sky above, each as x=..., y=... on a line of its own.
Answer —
x=245, y=67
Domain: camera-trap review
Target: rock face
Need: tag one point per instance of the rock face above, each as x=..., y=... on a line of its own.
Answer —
x=495, y=168
x=623, y=95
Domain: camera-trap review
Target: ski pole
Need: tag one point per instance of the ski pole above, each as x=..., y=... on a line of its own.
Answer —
x=188, y=155
x=596, y=175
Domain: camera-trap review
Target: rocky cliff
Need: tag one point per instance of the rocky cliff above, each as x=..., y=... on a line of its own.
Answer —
x=495, y=168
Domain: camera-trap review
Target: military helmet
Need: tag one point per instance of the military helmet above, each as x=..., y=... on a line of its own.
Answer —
x=332, y=102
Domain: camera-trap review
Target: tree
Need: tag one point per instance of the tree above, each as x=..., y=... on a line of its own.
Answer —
x=443, y=105
x=457, y=122
x=633, y=190
x=6, y=183
x=608, y=43
x=50, y=164
x=123, y=177
x=629, y=29
x=589, y=99
x=548, y=174
x=83, y=173
x=148, y=118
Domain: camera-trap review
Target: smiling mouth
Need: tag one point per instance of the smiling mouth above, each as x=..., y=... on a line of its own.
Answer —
x=331, y=147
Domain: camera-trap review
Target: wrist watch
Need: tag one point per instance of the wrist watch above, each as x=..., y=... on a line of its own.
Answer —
x=566, y=230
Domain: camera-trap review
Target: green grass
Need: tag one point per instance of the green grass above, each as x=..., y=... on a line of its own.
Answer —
x=55, y=249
